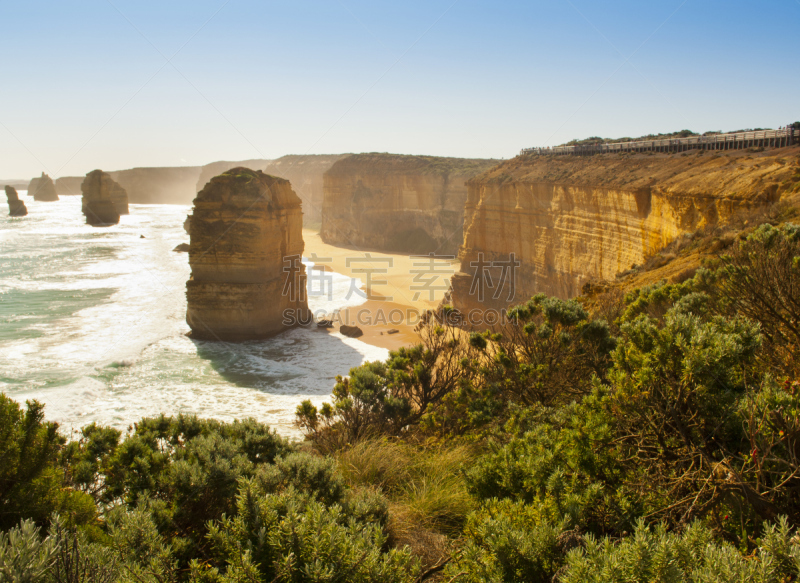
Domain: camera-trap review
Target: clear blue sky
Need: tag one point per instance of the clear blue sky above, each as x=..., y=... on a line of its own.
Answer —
x=87, y=83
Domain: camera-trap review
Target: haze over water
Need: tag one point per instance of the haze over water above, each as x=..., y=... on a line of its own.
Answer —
x=92, y=323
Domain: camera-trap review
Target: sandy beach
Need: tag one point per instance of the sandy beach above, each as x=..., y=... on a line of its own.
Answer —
x=398, y=288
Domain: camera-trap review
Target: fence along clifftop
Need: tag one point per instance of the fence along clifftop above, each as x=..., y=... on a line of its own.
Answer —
x=733, y=141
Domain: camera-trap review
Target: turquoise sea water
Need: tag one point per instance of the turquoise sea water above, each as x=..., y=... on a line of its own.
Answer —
x=92, y=323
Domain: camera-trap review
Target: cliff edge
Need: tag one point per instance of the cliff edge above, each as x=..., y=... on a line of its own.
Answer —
x=551, y=223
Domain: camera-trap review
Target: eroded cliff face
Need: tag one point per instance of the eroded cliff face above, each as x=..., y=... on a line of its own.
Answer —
x=167, y=185
x=16, y=208
x=213, y=169
x=69, y=185
x=103, y=199
x=246, y=243
x=412, y=204
x=43, y=189
x=306, y=173
x=568, y=219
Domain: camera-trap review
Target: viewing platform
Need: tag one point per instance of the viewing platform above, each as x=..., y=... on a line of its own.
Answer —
x=732, y=141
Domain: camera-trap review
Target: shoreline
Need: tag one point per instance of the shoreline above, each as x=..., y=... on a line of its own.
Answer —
x=396, y=295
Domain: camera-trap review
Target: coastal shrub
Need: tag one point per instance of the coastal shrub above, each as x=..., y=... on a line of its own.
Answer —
x=77, y=560
x=24, y=556
x=32, y=482
x=549, y=351
x=509, y=541
x=88, y=457
x=389, y=398
x=145, y=555
x=291, y=537
x=760, y=279
x=694, y=556
x=681, y=395
x=565, y=464
x=452, y=384
x=184, y=469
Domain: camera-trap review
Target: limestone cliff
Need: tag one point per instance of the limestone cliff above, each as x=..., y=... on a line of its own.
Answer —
x=570, y=219
x=159, y=185
x=42, y=189
x=209, y=171
x=16, y=208
x=15, y=184
x=306, y=175
x=69, y=185
x=246, y=245
x=305, y=172
x=412, y=204
x=165, y=185
x=103, y=199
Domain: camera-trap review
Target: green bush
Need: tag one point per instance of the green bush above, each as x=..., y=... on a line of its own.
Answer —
x=564, y=464
x=448, y=385
x=658, y=556
x=24, y=556
x=509, y=542
x=184, y=469
x=32, y=482
x=291, y=537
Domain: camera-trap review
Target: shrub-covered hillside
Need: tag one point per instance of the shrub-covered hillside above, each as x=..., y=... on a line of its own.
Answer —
x=647, y=436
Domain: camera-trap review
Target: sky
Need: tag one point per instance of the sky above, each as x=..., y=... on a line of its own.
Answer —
x=116, y=84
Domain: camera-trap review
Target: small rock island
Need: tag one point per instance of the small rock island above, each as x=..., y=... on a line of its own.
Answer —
x=103, y=199
x=43, y=189
x=248, y=281
x=16, y=208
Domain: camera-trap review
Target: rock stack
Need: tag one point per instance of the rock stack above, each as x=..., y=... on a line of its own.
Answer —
x=43, y=189
x=103, y=199
x=248, y=281
x=119, y=197
x=16, y=208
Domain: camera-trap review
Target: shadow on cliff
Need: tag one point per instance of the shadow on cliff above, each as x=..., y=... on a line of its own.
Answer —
x=302, y=361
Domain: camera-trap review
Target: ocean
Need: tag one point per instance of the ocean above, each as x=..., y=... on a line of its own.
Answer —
x=92, y=324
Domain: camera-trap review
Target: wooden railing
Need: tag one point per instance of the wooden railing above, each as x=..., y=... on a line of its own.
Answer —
x=733, y=141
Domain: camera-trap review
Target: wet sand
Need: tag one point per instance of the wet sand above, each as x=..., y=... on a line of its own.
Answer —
x=396, y=296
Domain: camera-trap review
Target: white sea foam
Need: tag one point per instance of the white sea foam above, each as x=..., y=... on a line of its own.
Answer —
x=92, y=323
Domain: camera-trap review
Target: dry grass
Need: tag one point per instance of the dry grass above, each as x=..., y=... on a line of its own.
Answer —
x=425, y=486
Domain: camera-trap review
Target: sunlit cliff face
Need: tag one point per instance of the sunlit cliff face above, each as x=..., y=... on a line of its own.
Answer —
x=568, y=220
x=245, y=226
x=412, y=204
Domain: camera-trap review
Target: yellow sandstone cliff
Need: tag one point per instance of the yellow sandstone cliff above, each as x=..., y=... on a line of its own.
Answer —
x=306, y=175
x=412, y=204
x=246, y=243
x=303, y=171
x=571, y=219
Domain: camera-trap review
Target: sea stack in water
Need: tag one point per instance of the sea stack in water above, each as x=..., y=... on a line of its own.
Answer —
x=43, y=189
x=248, y=281
x=16, y=208
x=103, y=199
